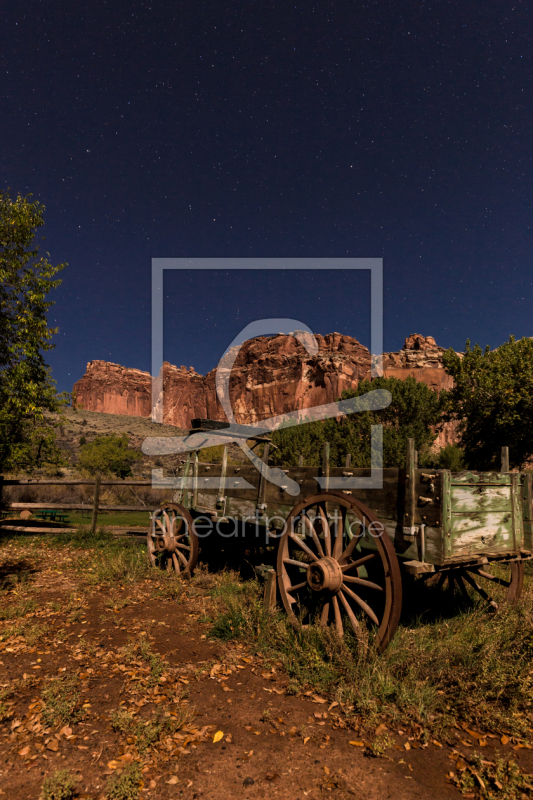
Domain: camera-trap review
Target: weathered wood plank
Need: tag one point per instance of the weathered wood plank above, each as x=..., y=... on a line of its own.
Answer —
x=75, y=507
x=516, y=507
x=477, y=533
x=447, y=512
x=480, y=477
x=468, y=498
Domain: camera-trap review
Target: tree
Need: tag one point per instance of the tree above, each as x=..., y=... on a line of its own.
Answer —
x=415, y=412
x=450, y=457
x=492, y=399
x=27, y=391
x=108, y=455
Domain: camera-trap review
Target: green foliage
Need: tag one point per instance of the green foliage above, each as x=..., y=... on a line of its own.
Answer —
x=499, y=778
x=492, y=399
x=83, y=440
x=127, y=785
x=108, y=455
x=58, y=786
x=415, y=412
x=61, y=698
x=27, y=391
x=451, y=457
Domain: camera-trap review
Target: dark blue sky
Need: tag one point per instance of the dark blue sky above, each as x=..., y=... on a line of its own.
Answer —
x=386, y=129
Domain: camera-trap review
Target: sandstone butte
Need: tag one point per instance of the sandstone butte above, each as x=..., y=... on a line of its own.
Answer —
x=271, y=375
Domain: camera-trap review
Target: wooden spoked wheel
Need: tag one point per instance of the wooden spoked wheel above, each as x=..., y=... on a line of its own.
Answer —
x=496, y=583
x=335, y=569
x=172, y=543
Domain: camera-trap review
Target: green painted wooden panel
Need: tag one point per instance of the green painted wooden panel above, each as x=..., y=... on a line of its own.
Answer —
x=480, y=477
x=528, y=534
x=468, y=498
x=473, y=533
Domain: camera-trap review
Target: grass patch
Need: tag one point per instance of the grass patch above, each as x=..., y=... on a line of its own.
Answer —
x=61, y=698
x=133, y=519
x=17, y=610
x=82, y=538
x=59, y=786
x=474, y=667
x=142, y=651
x=488, y=779
x=127, y=785
x=148, y=732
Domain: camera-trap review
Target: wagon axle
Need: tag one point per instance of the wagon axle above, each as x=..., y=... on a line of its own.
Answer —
x=325, y=575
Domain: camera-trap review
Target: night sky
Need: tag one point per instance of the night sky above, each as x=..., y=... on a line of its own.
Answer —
x=398, y=130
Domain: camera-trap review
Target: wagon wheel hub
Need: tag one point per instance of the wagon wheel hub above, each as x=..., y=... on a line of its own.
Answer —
x=165, y=542
x=325, y=575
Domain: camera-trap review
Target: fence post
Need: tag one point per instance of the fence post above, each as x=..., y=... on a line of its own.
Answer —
x=505, y=459
x=95, y=504
x=348, y=462
x=325, y=467
x=301, y=460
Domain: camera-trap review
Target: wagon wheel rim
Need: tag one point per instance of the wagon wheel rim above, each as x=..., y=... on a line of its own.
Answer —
x=172, y=543
x=478, y=581
x=318, y=558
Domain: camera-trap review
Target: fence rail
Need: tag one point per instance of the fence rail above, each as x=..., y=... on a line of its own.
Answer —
x=95, y=506
x=76, y=482
x=73, y=507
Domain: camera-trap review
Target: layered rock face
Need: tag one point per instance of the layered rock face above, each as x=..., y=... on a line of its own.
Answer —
x=272, y=375
x=420, y=358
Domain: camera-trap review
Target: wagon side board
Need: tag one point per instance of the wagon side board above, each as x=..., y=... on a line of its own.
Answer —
x=451, y=516
x=482, y=514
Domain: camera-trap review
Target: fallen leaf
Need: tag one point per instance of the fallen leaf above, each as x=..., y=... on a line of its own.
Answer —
x=53, y=745
x=317, y=699
x=380, y=729
x=504, y=739
x=172, y=782
x=407, y=746
x=112, y=764
x=475, y=734
x=306, y=739
x=357, y=744
x=218, y=736
x=438, y=744
x=24, y=751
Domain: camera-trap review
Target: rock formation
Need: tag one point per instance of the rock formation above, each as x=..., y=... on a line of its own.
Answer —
x=271, y=375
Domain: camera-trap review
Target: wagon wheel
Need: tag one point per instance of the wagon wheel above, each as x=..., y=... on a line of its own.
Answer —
x=471, y=583
x=339, y=571
x=172, y=542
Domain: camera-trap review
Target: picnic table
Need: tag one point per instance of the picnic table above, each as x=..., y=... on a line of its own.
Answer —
x=53, y=515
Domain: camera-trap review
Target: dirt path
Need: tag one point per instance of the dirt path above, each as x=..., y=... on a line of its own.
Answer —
x=137, y=681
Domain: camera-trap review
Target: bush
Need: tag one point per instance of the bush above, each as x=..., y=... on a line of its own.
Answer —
x=415, y=412
x=59, y=786
x=127, y=785
x=108, y=455
x=451, y=457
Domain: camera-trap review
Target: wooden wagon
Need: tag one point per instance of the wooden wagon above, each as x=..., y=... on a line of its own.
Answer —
x=338, y=557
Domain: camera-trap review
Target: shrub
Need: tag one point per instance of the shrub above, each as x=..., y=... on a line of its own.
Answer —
x=108, y=455
x=59, y=786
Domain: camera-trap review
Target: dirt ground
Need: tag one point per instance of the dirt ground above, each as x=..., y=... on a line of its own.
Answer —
x=227, y=726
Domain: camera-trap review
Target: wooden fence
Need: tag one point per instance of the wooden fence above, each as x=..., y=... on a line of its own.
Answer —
x=95, y=506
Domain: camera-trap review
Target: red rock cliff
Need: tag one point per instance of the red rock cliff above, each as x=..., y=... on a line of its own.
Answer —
x=272, y=375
